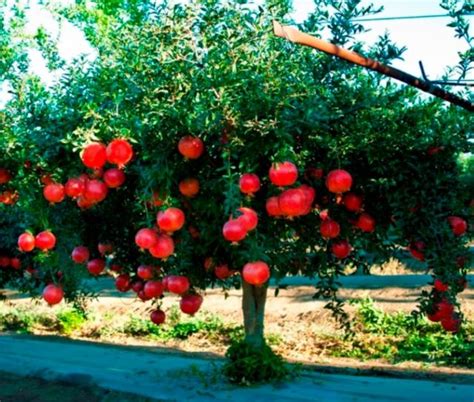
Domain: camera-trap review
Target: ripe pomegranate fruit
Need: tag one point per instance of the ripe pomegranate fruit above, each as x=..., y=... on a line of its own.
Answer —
x=26, y=242
x=341, y=249
x=80, y=254
x=249, y=183
x=119, y=152
x=273, y=207
x=122, y=283
x=94, y=155
x=137, y=286
x=163, y=248
x=45, y=240
x=170, y=220
x=146, y=238
x=105, y=248
x=190, y=304
x=440, y=286
x=153, y=289
x=191, y=147
x=256, y=273
x=157, y=317
x=4, y=261
x=145, y=272
x=15, y=263
x=451, y=323
x=114, y=177
x=234, y=230
x=189, y=187
x=95, y=191
x=96, y=266
x=177, y=284
x=310, y=195
x=329, y=229
x=75, y=187
x=53, y=294
x=338, y=181
x=249, y=218
x=352, y=202
x=315, y=173
x=283, y=174
x=222, y=271
x=365, y=223
x=458, y=225
x=5, y=176
x=416, y=249
x=293, y=202
x=157, y=199
x=54, y=192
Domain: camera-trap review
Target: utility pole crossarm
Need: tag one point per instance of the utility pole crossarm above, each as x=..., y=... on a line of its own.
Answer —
x=295, y=36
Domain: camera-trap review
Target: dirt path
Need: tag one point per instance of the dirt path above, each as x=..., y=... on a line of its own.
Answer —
x=185, y=377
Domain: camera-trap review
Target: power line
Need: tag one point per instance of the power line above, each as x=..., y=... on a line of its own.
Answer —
x=408, y=17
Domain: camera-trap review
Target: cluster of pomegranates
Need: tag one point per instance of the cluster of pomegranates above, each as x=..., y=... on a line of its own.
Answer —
x=8, y=261
x=89, y=190
x=7, y=197
x=443, y=310
x=43, y=241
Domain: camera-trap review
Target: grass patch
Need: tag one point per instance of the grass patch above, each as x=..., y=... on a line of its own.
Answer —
x=404, y=337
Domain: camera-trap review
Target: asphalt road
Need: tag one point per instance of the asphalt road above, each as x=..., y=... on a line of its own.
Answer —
x=169, y=376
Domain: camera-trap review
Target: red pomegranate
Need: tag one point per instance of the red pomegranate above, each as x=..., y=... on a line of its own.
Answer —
x=5, y=176
x=177, y=284
x=158, y=199
x=137, y=286
x=190, y=304
x=119, y=152
x=256, y=273
x=96, y=266
x=45, y=240
x=366, y=223
x=440, y=286
x=146, y=238
x=170, y=220
x=75, y=187
x=122, y=283
x=315, y=173
x=222, y=271
x=4, y=261
x=54, y=192
x=283, y=174
x=95, y=191
x=249, y=218
x=85, y=203
x=190, y=147
x=114, y=177
x=352, y=202
x=451, y=323
x=26, y=242
x=157, y=317
x=273, y=207
x=329, y=229
x=189, y=187
x=53, y=294
x=338, y=181
x=234, y=230
x=249, y=183
x=458, y=225
x=163, y=248
x=153, y=289
x=80, y=254
x=15, y=263
x=105, y=248
x=94, y=155
x=341, y=249
x=145, y=272
x=293, y=202
x=417, y=250
x=310, y=195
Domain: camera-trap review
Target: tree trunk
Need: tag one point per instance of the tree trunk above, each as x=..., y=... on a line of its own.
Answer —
x=253, y=306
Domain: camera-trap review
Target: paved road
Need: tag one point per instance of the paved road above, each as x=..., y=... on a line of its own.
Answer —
x=179, y=377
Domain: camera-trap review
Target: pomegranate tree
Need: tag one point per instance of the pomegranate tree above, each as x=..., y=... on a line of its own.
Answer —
x=224, y=156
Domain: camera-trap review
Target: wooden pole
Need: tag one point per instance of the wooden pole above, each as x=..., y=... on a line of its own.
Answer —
x=295, y=36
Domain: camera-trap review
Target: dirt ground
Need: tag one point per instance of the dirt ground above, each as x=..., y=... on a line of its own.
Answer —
x=293, y=317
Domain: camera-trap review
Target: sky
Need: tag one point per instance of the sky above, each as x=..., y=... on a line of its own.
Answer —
x=428, y=40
